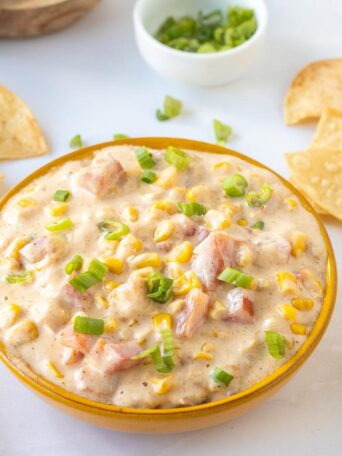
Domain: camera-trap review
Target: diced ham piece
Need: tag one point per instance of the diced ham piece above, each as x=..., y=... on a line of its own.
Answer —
x=212, y=255
x=271, y=248
x=45, y=246
x=80, y=343
x=109, y=358
x=240, y=306
x=193, y=314
x=102, y=176
x=74, y=298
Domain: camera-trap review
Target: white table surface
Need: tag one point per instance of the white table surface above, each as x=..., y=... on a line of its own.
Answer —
x=90, y=79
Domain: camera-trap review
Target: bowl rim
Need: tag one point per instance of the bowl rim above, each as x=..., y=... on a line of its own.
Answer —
x=52, y=391
x=140, y=27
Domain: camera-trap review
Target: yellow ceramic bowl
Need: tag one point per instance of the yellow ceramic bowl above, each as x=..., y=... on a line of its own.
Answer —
x=187, y=418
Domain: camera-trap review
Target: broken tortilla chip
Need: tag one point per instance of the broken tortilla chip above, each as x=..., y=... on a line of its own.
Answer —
x=329, y=130
x=317, y=208
x=318, y=173
x=20, y=135
x=316, y=87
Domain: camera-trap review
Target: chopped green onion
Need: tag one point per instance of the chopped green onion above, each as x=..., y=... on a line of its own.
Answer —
x=190, y=209
x=223, y=132
x=162, y=364
x=221, y=377
x=26, y=277
x=61, y=195
x=255, y=199
x=235, y=185
x=59, y=225
x=91, y=326
x=237, y=278
x=75, y=264
x=115, y=230
x=177, y=158
x=167, y=340
x=145, y=353
x=161, y=116
x=76, y=142
x=172, y=108
x=144, y=158
x=148, y=177
x=119, y=136
x=259, y=225
x=159, y=287
x=98, y=269
x=83, y=281
x=276, y=344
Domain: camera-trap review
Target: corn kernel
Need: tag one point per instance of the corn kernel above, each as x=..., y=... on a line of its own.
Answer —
x=177, y=193
x=57, y=209
x=16, y=246
x=181, y=253
x=175, y=270
x=167, y=177
x=225, y=166
x=132, y=322
x=203, y=355
x=197, y=193
x=176, y=306
x=242, y=222
x=101, y=302
x=144, y=260
x=208, y=347
x=26, y=202
x=129, y=245
x=287, y=282
x=23, y=332
x=302, y=304
x=110, y=326
x=244, y=256
x=162, y=321
x=115, y=265
x=218, y=311
x=299, y=243
x=229, y=209
x=9, y=315
x=299, y=329
x=186, y=282
x=217, y=220
x=110, y=285
x=54, y=370
x=166, y=205
x=164, y=231
x=291, y=203
x=161, y=385
x=288, y=311
x=141, y=340
x=130, y=214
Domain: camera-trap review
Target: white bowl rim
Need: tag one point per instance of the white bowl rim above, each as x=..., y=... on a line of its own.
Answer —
x=194, y=55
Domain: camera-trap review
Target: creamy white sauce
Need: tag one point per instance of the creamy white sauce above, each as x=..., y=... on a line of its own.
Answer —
x=238, y=348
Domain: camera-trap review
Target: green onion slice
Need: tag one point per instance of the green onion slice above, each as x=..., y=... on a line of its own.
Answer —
x=172, y=106
x=167, y=341
x=237, y=278
x=148, y=177
x=144, y=158
x=222, y=131
x=145, y=353
x=161, y=116
x=98, y=269
x=83, y=281
x=190, y=209
x=61, y=195
x=221, y=377
x=159, y=288
x=76, y=142
x=276, y=344
x=177, y=158
x=235, y=185
x=119, y=136
x=91, y=326
x=162, y=364
x=26, y=277
x=115, y=230
x=59, y=225
x=259, y=225
x=75, y=264
x=255, y=199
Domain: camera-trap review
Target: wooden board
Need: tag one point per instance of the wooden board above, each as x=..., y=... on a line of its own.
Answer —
x=23, y=18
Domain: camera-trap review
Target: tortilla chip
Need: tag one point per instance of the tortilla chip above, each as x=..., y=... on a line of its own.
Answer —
x=317, y=208
x=20, y=136
x=316, y=87
x=318, y=173
x=329, y=130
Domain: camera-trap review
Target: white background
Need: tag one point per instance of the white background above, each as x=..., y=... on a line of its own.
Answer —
x=89, y=79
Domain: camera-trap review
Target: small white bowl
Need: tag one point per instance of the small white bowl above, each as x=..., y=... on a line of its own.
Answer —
x=210, y=69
